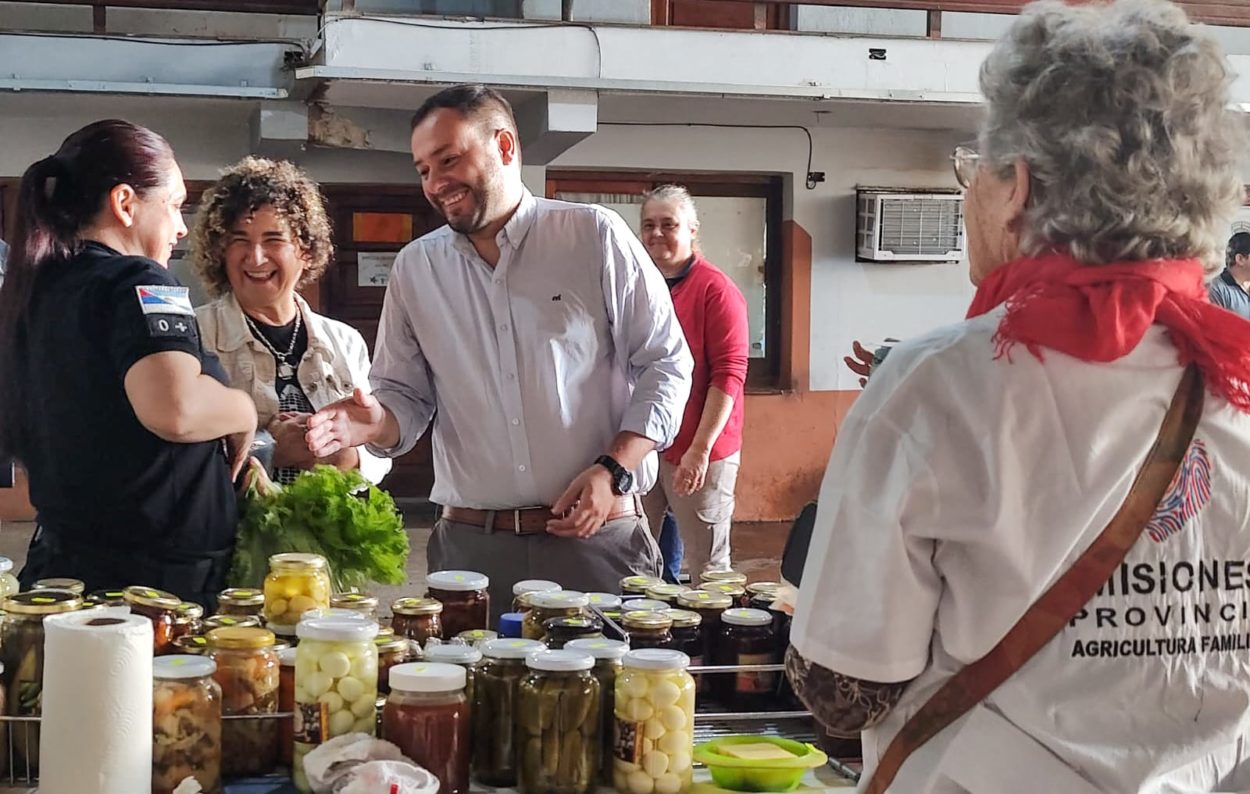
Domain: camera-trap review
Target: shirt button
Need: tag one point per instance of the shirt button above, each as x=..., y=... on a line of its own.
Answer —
x=516, y=422
x=498, y=282
x=504, y=328
x=520, y=468
x=511, y=376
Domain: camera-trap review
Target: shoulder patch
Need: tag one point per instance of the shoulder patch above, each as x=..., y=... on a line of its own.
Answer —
x=161, y=299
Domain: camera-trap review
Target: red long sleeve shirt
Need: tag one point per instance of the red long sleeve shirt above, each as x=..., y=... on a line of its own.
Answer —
x=713, y=315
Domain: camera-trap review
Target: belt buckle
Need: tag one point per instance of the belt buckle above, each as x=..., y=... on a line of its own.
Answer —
x=516, y=522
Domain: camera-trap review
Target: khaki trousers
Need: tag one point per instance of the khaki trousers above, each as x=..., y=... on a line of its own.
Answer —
x=703, y=518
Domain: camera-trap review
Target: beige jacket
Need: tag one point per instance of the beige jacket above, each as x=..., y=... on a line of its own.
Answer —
x=336, y=363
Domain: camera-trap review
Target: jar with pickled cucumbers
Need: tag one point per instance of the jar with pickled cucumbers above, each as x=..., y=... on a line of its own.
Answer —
x=608, y=655
x=654, y=738
x=336, y=685
x=8, y=582
x=643, y=605
x=392, y=651
x=418, y=619
x=494, y=710
x=296, y=583
x=188, y=619
x=159, y=607
x=559, y=632
x=602, y=601
x=107, y=598
x=186, y=724
x=648, y=629
x=465, y=596
x=637, y=586
x=363, y=603
x=561, y=604
x=687, y=634
x=527, y=587
x=746, y=638
x=427, y=717
x=241, y=601
x=558, y=724
x=248, y=672
x=75, y=586
x=666, y=592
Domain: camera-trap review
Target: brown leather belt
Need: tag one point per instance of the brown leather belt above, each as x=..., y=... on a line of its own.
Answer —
x=532, y=520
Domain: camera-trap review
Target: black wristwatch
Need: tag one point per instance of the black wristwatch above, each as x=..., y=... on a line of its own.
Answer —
x=622, y=478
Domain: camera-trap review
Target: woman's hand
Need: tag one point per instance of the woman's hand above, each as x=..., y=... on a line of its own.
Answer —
x=290, y=448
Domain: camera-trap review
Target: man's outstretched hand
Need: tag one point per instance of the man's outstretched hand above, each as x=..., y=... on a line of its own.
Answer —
x=350, y=422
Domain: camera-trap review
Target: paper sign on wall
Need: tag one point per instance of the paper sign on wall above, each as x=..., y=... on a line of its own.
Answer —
x=373, y=269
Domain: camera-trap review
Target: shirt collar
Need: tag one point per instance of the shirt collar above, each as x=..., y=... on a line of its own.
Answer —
x=685, y=271
x=1227, y=277
x=233, y=333
x=514, y=230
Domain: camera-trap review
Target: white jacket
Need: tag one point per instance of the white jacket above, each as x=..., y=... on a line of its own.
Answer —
x=337, y=362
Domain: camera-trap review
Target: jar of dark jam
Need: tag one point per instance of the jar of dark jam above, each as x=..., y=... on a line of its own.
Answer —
x=241, y=601
x=637, y=586
x=666, y=593
x=418, y=619
x=187, y=619
x=648, y=630
x=107, y=598
x=392, y=651
x=561, y=604
x=363, y=603
x=734, y=591
x=427, y=717
x=746, y=638
x=159, y=607
x=688, y=634
x=466, y=600
x=723, y=577
x=561, y=631
x=226, y=621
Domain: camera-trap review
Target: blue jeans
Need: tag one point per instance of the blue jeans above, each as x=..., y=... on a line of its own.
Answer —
x=671, y=548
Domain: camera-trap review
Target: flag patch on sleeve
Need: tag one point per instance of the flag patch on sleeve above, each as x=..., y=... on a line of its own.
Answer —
x=161, y=299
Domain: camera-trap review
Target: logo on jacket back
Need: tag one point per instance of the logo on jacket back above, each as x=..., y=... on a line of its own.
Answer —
x=1186, y=496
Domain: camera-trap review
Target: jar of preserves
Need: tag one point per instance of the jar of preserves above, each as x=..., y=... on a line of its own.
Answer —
x=709, y=605
x=241, y=601
x=558, y=721
x=231, y=621
x=466, y=600
x=608, y=655
x=723, y=577
x=186, y=723
x=494, y=710
x=21, y=648
x=528, y=587
x=248, y=672
x=363, y=603
x=392, y=651
x=746, y=638
x=688, y=634
x=477, y=636
x=654, y=724
x=386, y=629
x=762, y=588
x=602, y=601
x=637, y=586
x=8, y=582
x=666, y=593
x=643, y=605
x=187, y=619
x=427, y=717
x=336, y=684
x=562, y=604
x=160, y=608
x=296, y=583
x=734, y=591
x=286, y=705
x=418, y=619
x=559, y=632
x=648, y=629
x=75, y=586
x=191, y=645
x=107, y=598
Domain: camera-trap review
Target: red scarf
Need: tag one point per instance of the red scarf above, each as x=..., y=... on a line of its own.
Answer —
x=1101, y=312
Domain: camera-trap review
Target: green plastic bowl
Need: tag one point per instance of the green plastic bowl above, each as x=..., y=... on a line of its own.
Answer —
x=743, y=774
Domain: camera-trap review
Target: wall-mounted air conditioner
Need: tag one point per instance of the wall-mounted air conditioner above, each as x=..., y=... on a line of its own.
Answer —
x=894, y=225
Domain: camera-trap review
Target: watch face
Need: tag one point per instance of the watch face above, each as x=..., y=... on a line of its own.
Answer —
x=625, y=482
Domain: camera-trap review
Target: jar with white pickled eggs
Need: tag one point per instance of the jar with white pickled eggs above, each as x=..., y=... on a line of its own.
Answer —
x=654, y=739
x=296, y=583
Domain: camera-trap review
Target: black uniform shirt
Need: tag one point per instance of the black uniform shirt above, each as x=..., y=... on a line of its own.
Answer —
x=98, y=477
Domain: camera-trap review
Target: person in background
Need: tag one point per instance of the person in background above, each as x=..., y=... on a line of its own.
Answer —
x=984, y=458
x=699, y=471
x=262, y=233
x=107, y=397
x=1228, y=289
x=540, y=341
x=671, y=549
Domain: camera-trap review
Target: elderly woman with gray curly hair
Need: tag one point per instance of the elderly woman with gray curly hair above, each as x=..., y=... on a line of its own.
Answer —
x=949, y=609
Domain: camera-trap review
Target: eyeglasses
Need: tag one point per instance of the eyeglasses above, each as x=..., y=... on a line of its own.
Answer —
x=965, y=159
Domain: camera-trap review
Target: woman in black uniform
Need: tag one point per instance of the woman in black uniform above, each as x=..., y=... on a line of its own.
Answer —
x=106, y=396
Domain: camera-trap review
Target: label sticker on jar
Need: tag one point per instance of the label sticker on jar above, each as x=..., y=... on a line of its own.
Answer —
x=627, y=744
x=312, y=723
x=752, y=683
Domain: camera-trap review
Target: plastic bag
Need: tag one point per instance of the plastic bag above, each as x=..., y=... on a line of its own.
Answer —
x=387, y=777
x=357, y=763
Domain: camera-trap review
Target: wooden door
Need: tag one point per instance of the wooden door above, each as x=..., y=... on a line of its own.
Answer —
x=374, y=221
x=718, y=14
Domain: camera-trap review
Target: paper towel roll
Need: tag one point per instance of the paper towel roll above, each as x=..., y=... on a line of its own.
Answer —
x=97, y=704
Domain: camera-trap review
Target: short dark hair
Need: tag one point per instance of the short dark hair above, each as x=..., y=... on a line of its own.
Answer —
x=1239, y=243
x=479, y=102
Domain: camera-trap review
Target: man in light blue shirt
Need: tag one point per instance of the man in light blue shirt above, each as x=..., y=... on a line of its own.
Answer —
x=1228, y=289
x=541, y=342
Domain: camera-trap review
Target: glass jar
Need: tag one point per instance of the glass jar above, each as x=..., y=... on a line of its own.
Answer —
x=643, y=605
x=602, y=601
x=336, y=684
x=296, y=583
x=427, y=717
x=667, y=593
x=648, y=629
x=336, y=613
x=75, y=586
x=466, y=600
x=528, y=587
x=286, y=705
x=466, y=656
x=418, y=619
x=562, y=604
x=746, y=637
x=392, y=651
x=654, y=723
x=762, y=588
x=191, y=645
x=241, y=601
x=494, y=710
x=723, y=577
x=710, y=606
x=21, y=647
x=248, y=672
x=8, y=582
x=688, y=634
x=186, y=724
x=477, y=636
x=160, y=608
x=637, y=586
x=608, y=655
x=558, y=724
x=734, y=591
x=231, y=621
x=559, y=632
x=107, y=598
x=187, y=619
x=363, y=603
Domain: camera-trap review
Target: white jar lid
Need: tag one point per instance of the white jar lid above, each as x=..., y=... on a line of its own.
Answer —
x=644, y=605
x=746, y=617
x=335, y=613
x=563, y=599
x=182, y=666
x=567, y=661
x=6, y=565
x=421, y=677
x=535, y=586
x=600, y=649
x=453, y=654
x=286, y=657
x=337, y=630
x=657, y=659
x=604, y=600
x=457, y=581
x=511, y=648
